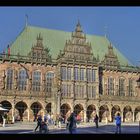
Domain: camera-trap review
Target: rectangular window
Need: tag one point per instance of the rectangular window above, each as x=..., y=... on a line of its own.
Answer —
x=82, y=74
x=89, y=75
x=130, y=88
x=121, y=87
x=69, y=74
x=63, y=73
x=93, y=75
x=9, y=79
x=93, y=91
x=36, y=81
x=76, y=77
x=110, y=86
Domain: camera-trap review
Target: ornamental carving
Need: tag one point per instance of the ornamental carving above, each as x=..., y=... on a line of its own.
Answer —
x=38, y=52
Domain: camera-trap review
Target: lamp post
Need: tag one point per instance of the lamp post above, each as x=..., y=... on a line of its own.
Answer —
x=98, y=105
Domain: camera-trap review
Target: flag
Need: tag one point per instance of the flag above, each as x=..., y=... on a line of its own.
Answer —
x=8, y=48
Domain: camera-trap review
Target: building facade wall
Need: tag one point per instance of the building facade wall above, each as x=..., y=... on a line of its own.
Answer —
x=102, y=104
x=76, y=81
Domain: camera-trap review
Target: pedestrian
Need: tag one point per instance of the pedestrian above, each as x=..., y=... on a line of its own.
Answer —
x=44, y=126
x=39, y=123
x=118, y=123
x=60, y=119
x=72, y=123
x=96, y=119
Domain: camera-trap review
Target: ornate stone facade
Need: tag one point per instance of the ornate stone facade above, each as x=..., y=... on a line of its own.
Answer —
x=75, y=81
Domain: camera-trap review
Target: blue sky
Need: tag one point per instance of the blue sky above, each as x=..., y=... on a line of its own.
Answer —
x=120, y=24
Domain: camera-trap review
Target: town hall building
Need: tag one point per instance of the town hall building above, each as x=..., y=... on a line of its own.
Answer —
x=58, y=72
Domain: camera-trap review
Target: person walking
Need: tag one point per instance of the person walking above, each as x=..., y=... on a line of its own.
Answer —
x=39, y=123
x=72, y=123
x=96, y=119
x=118, y=123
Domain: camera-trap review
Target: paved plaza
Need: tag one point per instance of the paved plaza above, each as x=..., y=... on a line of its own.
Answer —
x=87, y=128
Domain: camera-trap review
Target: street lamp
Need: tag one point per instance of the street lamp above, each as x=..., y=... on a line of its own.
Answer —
x=98, y=105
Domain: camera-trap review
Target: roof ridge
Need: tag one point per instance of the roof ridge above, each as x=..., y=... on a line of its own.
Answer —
x=34, y=26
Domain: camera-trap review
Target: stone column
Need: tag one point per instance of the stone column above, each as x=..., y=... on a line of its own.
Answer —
x=110, y=117
x=13, y=117
x=85, y=116
x=97, y=111
x=28, y=114
x=122, y=115
x=58, y=102
x=133, y=113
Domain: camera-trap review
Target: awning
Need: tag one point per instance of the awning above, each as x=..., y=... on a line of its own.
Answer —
x=2, y=109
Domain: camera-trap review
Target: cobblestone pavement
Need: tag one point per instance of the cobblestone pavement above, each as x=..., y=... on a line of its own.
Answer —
x=88, y=128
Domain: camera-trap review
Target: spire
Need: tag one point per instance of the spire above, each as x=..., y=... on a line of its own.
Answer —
x=39, y=37
x=110, y=46
x=78, y=27
x=26, y=20
x=110, y=49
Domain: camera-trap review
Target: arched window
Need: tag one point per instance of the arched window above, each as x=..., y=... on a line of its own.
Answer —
x=22, y=81
x=9, y=79
x=121, y=87
x=49, y=82
x=36, y=81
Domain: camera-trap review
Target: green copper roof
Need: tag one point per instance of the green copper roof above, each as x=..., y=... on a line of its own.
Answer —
x=55, y=41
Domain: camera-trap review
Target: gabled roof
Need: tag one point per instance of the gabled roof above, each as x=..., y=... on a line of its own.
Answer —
x=55, y=40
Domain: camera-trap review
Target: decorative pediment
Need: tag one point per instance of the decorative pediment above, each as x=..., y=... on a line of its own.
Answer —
x=38, y=52
x=110, y=59
x=77, y=47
